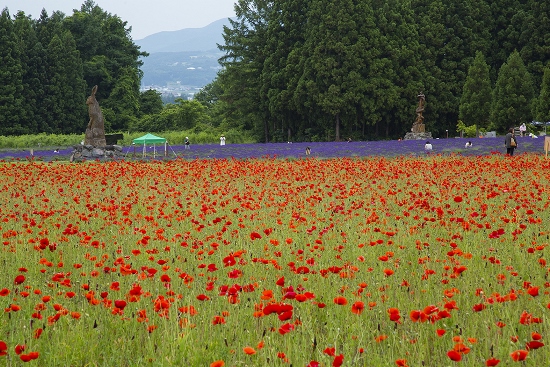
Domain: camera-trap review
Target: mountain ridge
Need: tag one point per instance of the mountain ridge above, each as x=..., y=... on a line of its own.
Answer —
x=185, y=40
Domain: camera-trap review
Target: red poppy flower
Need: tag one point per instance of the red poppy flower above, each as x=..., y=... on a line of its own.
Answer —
x=119, y=303
x=492, y=362
x=313, y=364
x=533, y=291
x=217, y=364
x=338, y=360
x=255, y=236
x=440, y=332
x=479, y=307
x=401, y=363
x=454, y=355
x=203, y=297
x=358, y=307
x=536, y=336
x=535, y=344
x=249, y=350
x=519, y=355
x=330, y=351
x=3, y=348
x=342, y=301
x=286, y=328
x=417, y=315
x=4, y=292
x=19, y=349
x=19, y=279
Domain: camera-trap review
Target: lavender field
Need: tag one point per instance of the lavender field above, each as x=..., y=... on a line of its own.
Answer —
x=388, y=148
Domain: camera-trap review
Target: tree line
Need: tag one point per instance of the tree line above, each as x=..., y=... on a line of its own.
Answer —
x=293, y=70
x=327, y=70
x=49, y=65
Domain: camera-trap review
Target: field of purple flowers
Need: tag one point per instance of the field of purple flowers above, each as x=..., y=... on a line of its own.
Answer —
x=387, y=148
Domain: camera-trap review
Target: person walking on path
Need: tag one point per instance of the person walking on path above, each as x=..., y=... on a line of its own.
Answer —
x=510, y=142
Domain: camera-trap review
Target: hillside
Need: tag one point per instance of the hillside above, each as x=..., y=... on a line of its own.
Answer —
x=188, y=57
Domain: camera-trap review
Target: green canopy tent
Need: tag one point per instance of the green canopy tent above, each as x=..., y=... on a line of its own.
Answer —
x=150, y=139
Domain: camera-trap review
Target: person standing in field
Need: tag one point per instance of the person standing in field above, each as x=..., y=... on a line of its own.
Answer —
x=222, y=140
x=522, y=129
x=187, y=143
x=510, y=142
x=428, y=147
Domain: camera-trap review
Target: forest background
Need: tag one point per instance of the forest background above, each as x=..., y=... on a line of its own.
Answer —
x=293, y=70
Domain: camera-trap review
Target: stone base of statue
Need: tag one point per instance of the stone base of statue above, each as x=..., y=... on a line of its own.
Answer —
x=83, y=152
x=418, y=136
x=418, y=132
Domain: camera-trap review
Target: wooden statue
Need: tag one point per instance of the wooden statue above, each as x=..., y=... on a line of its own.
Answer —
x=95, y=131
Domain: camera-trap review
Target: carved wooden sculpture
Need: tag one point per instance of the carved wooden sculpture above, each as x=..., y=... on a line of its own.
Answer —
x=95, y=131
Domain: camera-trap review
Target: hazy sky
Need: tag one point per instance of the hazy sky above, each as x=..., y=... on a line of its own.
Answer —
x=144, y=16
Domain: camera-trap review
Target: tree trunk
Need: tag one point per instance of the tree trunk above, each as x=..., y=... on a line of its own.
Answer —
x=266, y=130
x=337, y=137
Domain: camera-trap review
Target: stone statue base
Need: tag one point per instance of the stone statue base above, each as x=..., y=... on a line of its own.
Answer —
x=418, y=136
x=82, y=152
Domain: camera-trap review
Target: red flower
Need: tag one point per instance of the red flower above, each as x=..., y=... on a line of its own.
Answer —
x=535, y=344
x=330, y=351
x=4, y=292
x=417, y=315
x=203, y=297
x=454, y=355
x=19, y=349
x=249, y=350
x=286, y=328
x=533, y=291
x=19, y=279
x=457, y=199
x=255, y=235
x=492, y=362
x=357, y=307
x=440, y=332
x=479, y=307
x=217, y=364
x=342, y=301
x=119, y=303
x=401, y=363
x=338, y=360
x=3, y=348
x=519, y=355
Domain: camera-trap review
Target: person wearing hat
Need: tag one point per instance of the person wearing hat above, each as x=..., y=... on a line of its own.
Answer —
x=222, y=140
x=187, y=143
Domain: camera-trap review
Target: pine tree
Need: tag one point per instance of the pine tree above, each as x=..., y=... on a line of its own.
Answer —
x=542, y=106
x=513, y=94
x=12, y=116
x=475, y=103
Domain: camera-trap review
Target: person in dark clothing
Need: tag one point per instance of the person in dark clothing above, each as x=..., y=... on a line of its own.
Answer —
x=510, y=142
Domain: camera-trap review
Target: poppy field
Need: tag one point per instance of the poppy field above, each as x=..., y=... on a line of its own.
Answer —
x=403, y=261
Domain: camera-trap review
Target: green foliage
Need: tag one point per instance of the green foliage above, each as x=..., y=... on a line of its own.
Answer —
x=470, y=131
x=513, y=95
x=183, y=115
x=12, y=114
x=475, y=103
x=542, y=105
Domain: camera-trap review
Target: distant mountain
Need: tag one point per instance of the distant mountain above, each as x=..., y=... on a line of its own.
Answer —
x=184, y=40
x=181, y=59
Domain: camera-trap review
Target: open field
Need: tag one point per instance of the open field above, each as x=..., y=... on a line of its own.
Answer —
x=382, y=148
x=415, y=260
